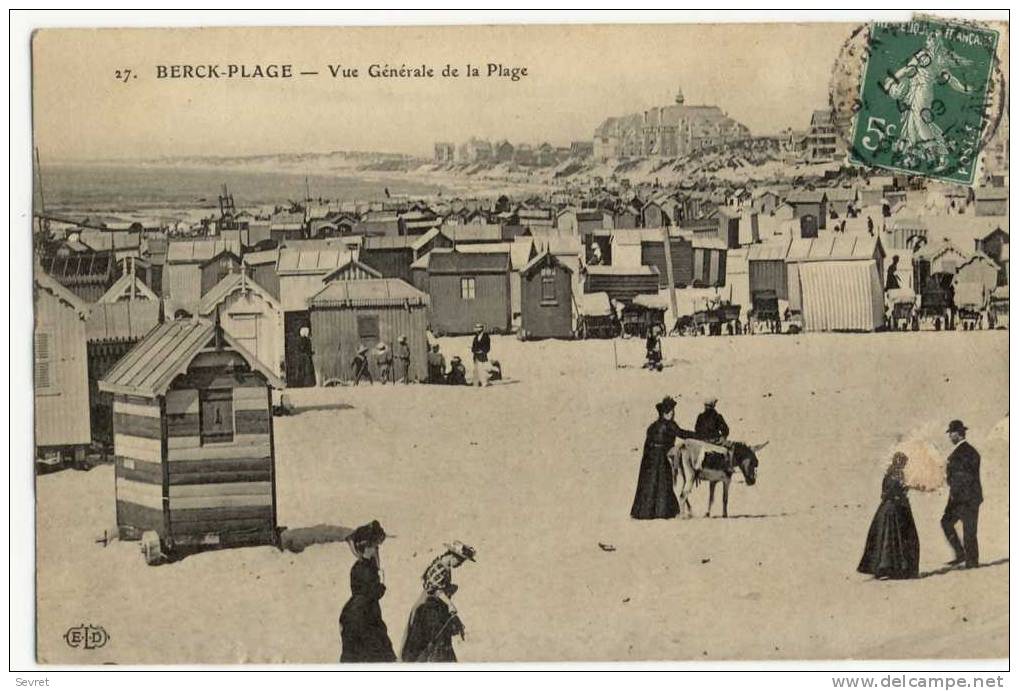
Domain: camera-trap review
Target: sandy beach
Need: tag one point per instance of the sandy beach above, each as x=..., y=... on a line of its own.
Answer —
x=538, y=470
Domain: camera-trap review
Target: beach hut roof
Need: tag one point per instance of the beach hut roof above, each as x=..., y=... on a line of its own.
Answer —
x=541, y=259
x=447, y=261
x=834, y=247
x=775, y=250
x=150, y=367
x=233, y=283
x=295, y=261
x=199, y=251
x=369, y=292
x=123, y=288
x=46, y=282
x=603, y=270
x=124, y=320
x=263, y=257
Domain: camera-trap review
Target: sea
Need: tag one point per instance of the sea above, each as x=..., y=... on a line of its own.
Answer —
x=172, y=192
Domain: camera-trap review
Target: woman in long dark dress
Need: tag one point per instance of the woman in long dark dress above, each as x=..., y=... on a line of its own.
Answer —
x=893, y=547
x=306, y=361
x=363, y=635
x=655, y=497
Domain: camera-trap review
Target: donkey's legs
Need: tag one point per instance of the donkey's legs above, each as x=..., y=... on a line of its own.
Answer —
x=711, y=498
x=725, y=498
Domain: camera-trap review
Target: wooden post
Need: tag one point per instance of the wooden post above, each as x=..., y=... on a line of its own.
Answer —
x=670, y=276
x=615, y=356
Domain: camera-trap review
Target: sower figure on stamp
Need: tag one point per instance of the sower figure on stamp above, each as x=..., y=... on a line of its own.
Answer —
x=363, y=634
x=965, y=495
x=434, y=620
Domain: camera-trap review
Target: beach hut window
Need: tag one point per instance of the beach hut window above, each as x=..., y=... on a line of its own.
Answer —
x=217, y=414
x=368, y=329
x=548, y=296
x=467, y=288
x=43, y=360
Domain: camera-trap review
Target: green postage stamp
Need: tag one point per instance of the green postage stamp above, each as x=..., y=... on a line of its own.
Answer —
x=924, y=101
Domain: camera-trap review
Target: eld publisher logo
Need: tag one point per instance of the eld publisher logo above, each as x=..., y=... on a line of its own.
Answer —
x=87, y=637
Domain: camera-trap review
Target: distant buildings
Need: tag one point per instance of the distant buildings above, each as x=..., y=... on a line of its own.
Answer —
x=445, y=152
x=666, y=131
x=822, y=140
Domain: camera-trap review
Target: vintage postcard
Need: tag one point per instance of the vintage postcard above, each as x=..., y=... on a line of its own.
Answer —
x=521, y=343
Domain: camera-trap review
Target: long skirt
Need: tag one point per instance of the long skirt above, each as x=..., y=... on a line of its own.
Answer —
x=655, y=497
x=893, y=547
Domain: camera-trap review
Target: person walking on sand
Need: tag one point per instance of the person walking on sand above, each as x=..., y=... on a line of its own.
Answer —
x=655, y=497
x=653, y=348
x=479, y=349
x=359, y=366
x=363, y=635
x=384, y=361
x=965, y=495
x=434, y=619
x=403, y=359
x=892, y=550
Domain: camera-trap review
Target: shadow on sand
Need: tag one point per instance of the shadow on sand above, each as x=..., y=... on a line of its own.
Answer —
x=297, y=539
x=749, y=515
x=949, y=569
x=297, y=410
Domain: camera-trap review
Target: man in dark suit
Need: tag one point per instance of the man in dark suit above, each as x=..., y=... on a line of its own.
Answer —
x=479, y=349
x=964, y=497
x=710, y=424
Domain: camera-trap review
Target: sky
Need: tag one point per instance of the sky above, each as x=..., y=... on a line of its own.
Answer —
x=767, y=76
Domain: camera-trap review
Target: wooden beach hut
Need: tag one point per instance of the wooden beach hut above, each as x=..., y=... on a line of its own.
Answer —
x=546, y=298
x=61, y=370
x=348, y=314
x=193, y=438
x=468, y=288
x=250, y=314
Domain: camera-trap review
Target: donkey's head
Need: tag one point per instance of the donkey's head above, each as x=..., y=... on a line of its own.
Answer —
x=744, y=457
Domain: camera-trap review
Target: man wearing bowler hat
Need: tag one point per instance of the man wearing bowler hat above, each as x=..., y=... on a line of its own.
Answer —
x=964, y=497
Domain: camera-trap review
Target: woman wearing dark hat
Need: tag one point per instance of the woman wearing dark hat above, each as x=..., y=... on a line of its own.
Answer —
x=434, y=619
x=363, y=635
x=655, y=497
x=893, y=547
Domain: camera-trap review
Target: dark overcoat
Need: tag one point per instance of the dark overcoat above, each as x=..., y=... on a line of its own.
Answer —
x=963, y=472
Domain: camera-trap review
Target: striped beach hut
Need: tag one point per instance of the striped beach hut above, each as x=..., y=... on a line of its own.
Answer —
x=193, y=439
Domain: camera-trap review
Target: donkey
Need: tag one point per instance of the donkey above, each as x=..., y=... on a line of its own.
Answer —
x=695, y=461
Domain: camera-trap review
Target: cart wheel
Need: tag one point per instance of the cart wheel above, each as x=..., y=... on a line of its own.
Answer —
x=152, y=548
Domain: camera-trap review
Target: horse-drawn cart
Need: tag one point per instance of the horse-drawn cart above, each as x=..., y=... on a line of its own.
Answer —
x=711, y=321
x=595, y=317
x=901, y=309
x=765, y=313
x=971, y=302
x=937, y=306
x=642, y=315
